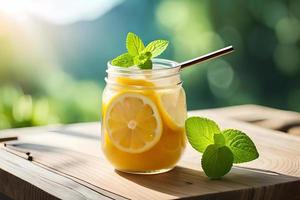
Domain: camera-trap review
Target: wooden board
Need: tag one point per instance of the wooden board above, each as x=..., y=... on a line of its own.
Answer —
x=271, y=118
x=68, y=164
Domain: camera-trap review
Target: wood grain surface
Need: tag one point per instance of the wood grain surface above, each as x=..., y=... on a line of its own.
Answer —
x=68, y=164
x=271, y=118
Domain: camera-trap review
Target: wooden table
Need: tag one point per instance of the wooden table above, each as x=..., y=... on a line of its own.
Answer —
x=66, y=162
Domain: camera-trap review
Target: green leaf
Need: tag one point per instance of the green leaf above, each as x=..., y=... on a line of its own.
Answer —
x=216, y=161
x=124, y=60
x=219, y=139
x=143, y=60
x=146, y=65
x=156, y=47
x=134, y=44
x=241, y=145
x=200, y=132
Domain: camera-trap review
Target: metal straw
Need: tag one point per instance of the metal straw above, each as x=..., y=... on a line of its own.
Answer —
x=206, y=57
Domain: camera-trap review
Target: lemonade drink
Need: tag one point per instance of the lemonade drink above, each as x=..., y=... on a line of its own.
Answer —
x=143, y=114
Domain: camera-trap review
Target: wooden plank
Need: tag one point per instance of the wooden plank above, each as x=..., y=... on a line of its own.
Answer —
x=181, y=182
x=75, y=152
x=21, y=179
x=15, y=188
x=281, y=120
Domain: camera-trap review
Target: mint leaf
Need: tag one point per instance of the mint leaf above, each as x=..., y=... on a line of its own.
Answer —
x=216, y=161
x=219, y=139
x=156, y=47
x=146, y=65
x=143, y=60
x=200, y=132
x=124, y=60
x=134, y=44
x=241, y=145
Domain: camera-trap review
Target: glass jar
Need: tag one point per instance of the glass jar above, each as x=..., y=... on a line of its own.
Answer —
x=143, y=115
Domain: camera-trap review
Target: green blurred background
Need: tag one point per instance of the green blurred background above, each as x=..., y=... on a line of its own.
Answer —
x=53, y=54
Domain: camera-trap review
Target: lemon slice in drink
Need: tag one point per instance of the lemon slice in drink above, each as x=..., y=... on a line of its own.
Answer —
x=133, y=122
x=173, y=105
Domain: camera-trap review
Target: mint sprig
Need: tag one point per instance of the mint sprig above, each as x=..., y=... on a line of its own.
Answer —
x=138, y=54
x=220, y=148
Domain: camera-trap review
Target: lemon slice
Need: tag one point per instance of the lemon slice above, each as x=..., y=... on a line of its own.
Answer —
x=173, y=105
x=133, y=122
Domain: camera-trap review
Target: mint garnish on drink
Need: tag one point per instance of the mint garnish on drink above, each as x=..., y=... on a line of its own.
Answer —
x=220, y=148
x=138, y=54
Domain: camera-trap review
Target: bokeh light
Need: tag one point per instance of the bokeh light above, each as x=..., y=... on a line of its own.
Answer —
x=220, y=77
x=287, y=59
x=288, y=30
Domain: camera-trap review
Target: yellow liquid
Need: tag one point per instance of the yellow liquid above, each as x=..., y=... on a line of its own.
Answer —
x=163, y=155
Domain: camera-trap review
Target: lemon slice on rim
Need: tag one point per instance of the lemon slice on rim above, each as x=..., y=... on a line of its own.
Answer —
x=133, y=122
x=172, y=103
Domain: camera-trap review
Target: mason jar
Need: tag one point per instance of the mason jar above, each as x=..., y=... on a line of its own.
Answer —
x=143, y=116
